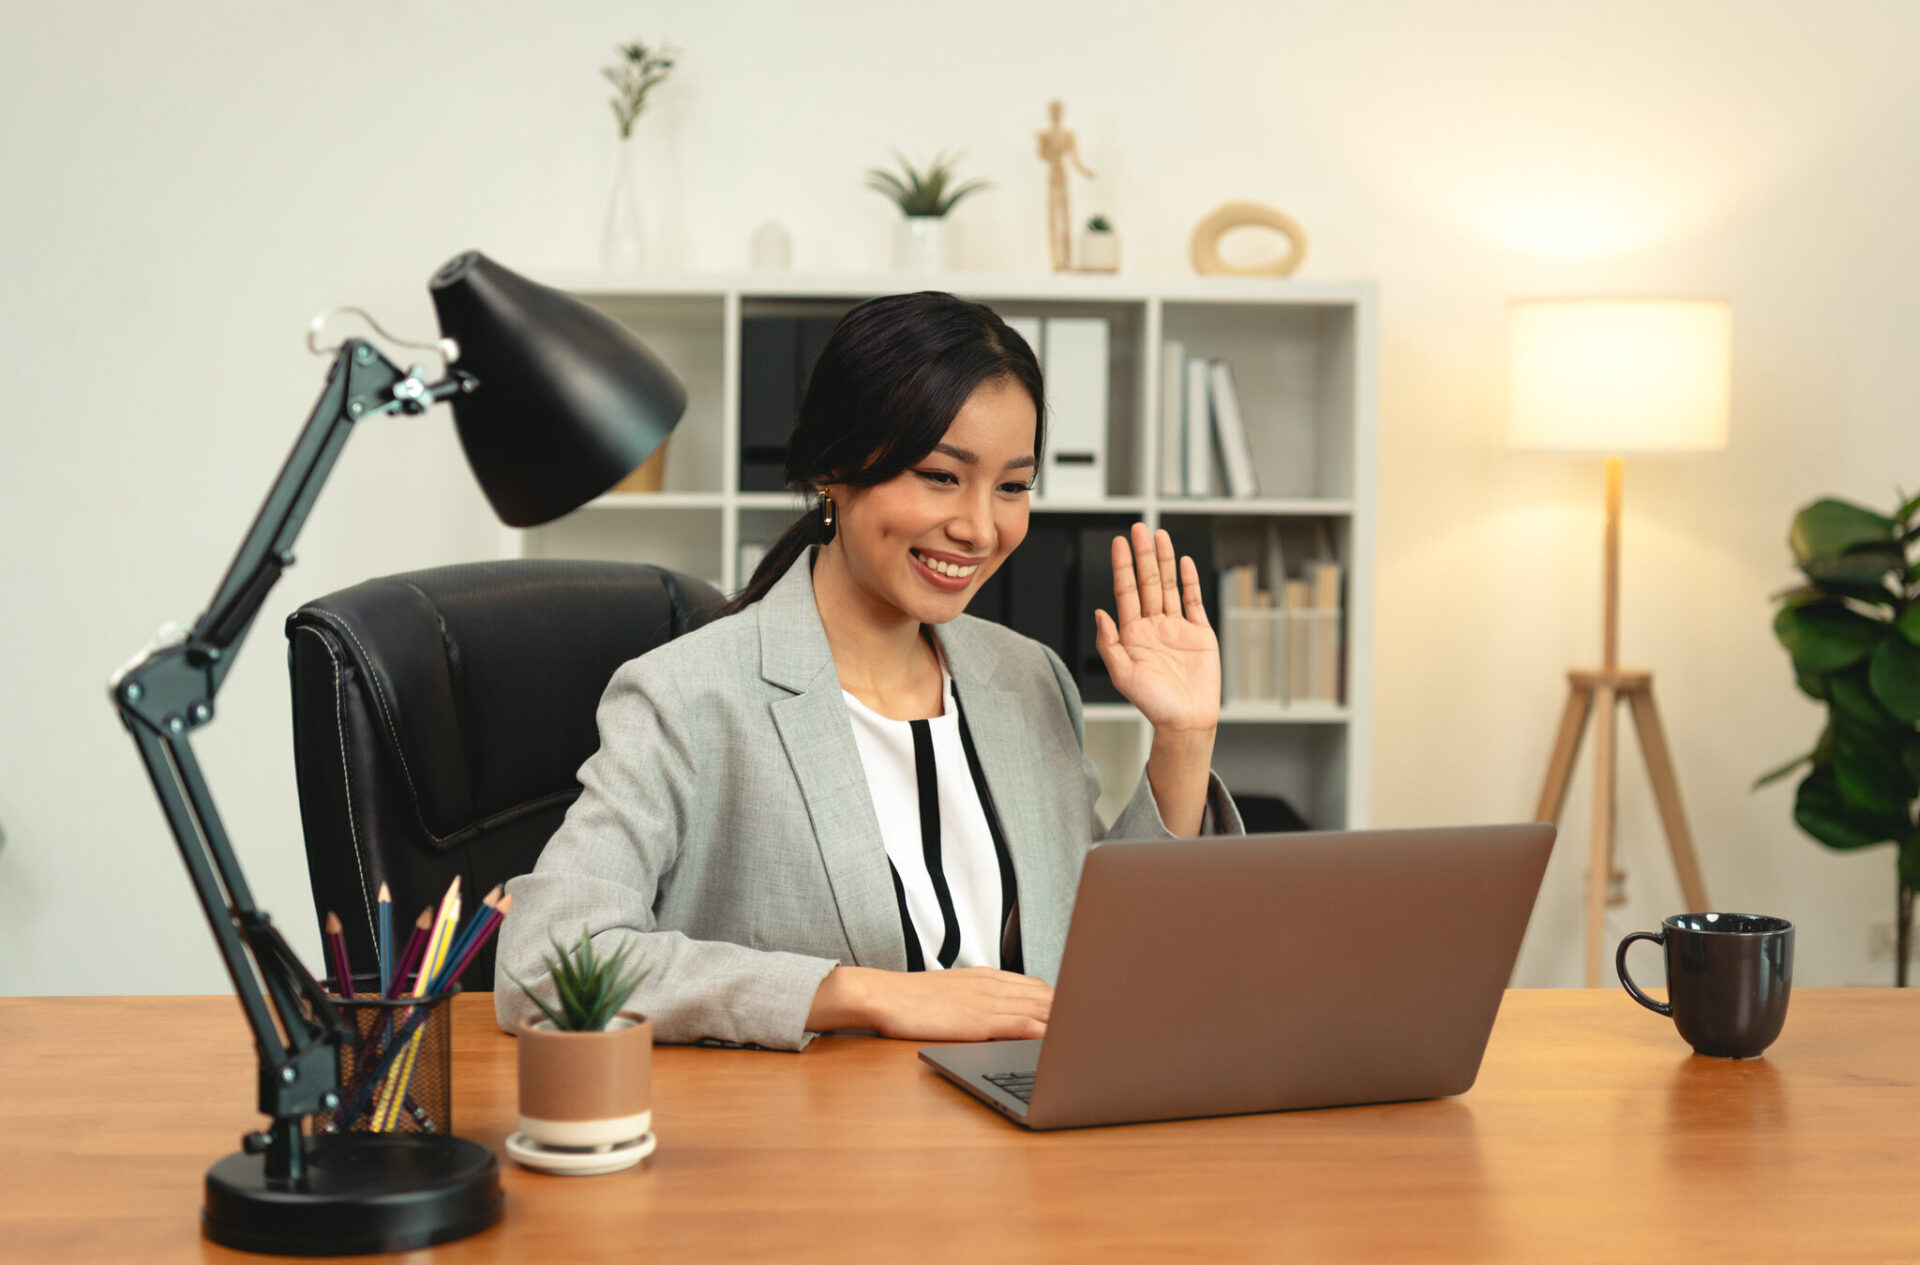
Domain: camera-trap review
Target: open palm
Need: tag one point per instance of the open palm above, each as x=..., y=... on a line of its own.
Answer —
x=1165, y=661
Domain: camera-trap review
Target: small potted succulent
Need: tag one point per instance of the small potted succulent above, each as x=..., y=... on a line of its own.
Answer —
x=924, y=198
x=586, y=1066
x=1099, y=246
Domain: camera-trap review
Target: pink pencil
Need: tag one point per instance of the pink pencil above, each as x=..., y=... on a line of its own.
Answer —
x=337, y=945
x=415, y=942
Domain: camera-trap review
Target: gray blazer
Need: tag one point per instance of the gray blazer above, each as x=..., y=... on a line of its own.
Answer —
x=725, y=822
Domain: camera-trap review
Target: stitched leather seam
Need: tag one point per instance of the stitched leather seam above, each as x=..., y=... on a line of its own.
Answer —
x=346, y=782
x=469, y=829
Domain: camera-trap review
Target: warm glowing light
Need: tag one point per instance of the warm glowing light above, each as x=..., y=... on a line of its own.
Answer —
x=1615, y=376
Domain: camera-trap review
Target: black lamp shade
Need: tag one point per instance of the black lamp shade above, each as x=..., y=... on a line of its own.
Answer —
x=568, y=401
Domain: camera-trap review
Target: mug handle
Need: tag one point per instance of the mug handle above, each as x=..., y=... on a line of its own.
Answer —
x=1620, y=965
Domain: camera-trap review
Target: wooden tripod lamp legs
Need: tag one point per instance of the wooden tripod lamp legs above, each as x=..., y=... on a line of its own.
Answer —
x=1595, y=695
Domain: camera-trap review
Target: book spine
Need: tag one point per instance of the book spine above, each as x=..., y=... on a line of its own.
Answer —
x=1230, y=429
x=1173, y=413
x=1199, y=430
x=1326, y=605
x=1302, y=642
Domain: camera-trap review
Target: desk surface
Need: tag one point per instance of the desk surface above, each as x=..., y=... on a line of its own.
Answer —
x=1592, y=1135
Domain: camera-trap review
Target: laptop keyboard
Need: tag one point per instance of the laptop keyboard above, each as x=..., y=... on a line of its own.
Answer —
x=1019, y=1084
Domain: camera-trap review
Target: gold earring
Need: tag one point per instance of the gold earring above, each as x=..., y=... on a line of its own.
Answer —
x=826, y=510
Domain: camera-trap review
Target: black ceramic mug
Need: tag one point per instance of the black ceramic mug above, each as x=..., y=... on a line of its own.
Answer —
x=1728, y=976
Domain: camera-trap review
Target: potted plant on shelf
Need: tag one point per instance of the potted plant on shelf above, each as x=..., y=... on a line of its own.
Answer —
x=1853, y=632
x=1099, y=246
x=586, y=1067
x=921, y=243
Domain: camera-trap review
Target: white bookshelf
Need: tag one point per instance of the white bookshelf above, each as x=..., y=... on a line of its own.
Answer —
x=1304, y=356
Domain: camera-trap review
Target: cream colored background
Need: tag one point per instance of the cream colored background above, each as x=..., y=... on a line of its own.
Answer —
x=183, y=185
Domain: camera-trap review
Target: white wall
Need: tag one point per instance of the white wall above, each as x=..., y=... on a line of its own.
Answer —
x=184, y=184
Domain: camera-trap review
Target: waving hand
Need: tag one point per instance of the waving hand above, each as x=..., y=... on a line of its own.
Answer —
x=1164, y=659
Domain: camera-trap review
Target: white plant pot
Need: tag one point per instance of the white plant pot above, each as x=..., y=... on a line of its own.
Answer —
x=922, y=245
x=1099, y=252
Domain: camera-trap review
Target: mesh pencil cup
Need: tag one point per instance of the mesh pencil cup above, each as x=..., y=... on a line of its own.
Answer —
x=396, y=1063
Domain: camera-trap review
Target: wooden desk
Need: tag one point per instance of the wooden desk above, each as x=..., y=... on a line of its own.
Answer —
x=1592, y=1135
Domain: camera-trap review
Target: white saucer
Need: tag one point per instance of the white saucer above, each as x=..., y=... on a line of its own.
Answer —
x=525, y=1150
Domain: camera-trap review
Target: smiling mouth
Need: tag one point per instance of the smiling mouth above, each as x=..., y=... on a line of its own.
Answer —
x=948, y=569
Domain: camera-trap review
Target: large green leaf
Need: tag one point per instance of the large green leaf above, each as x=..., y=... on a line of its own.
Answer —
x=1812, y=684
x=1852, y=697
x=1869, y=771
x=1910, y=756
x=1821, y=811
x=1908, y=623
x=1894, y=674
x=1826, y=636
x=1828, y=528
x=1862, y=574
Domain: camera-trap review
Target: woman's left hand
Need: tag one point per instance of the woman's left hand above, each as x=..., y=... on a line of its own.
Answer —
x=1166, y=662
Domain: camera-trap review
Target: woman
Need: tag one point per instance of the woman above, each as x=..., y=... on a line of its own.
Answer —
x=843, y=804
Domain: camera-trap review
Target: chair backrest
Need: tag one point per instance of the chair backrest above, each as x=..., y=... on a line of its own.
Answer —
x=440, y=717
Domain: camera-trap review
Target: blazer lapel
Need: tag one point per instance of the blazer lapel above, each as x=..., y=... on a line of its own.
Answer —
x=1015, y=772
x=818, y=739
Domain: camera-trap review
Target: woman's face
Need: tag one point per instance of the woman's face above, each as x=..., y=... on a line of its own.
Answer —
x=923, y=542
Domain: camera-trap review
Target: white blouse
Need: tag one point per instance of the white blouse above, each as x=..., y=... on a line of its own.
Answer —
x=947, y=865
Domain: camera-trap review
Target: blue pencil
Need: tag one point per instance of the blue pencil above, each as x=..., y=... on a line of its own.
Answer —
x=386, y=938
x=467, y=933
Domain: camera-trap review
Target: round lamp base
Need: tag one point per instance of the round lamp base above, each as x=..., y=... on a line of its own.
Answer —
x=363, y=1193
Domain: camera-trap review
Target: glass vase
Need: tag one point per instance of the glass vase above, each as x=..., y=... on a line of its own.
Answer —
x=622, y=244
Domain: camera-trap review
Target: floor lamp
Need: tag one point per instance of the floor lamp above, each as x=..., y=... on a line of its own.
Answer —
x=1615, y=377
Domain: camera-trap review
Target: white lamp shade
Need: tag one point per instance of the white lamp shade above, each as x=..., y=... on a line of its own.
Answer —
x=1617, y=376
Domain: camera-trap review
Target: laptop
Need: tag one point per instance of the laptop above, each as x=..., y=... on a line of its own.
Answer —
x=1217, y=976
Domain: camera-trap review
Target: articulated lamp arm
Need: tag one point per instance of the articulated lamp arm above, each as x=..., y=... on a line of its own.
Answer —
x=167, y=691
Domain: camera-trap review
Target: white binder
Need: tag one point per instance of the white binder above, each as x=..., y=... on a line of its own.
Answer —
x=1074, y=357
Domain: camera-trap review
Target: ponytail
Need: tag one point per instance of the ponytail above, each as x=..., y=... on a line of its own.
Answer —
x=802, y=534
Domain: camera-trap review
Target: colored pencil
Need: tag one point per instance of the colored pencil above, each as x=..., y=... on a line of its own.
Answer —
x=465, y=937
x=386, y=1111
x=482, y=931
x=337, y=944
x=386, y=937
x=415, y=943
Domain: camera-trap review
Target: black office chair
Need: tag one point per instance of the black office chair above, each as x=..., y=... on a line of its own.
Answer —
x=439, y=718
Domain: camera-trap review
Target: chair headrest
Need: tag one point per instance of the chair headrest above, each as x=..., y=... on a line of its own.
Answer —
x=485, y=676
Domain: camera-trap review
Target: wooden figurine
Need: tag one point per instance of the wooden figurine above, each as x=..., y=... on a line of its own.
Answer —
x=1057, y=145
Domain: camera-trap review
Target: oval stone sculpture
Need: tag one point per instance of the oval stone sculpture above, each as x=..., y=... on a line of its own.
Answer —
x=1232, y=215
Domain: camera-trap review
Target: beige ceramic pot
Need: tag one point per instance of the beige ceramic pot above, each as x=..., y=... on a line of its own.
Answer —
x=581, y=1089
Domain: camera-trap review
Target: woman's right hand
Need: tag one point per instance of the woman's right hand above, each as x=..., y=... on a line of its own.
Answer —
x=975, y=1003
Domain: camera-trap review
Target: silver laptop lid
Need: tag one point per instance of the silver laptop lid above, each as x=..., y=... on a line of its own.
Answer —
x=1223, y=975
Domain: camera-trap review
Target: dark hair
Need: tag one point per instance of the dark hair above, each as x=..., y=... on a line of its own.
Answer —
x=889, y=382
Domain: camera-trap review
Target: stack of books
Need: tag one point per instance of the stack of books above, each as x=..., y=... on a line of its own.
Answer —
x=1284, y=649
x=1201, y=421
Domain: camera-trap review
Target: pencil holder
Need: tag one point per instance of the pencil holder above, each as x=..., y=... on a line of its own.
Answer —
x=396, y=1064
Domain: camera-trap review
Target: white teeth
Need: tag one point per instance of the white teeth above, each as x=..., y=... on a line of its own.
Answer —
x=947, y=568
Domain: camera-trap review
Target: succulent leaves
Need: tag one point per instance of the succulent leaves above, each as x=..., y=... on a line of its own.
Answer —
x=590, y=988
x=931, y=193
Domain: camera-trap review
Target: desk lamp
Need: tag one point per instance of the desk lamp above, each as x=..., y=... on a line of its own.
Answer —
x=1615, y=376
x=554, y=402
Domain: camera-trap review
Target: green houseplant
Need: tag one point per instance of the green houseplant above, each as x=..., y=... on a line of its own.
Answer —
x=585, y=1066
x=924, y=198
x=590, y=988
x=1853, y=633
